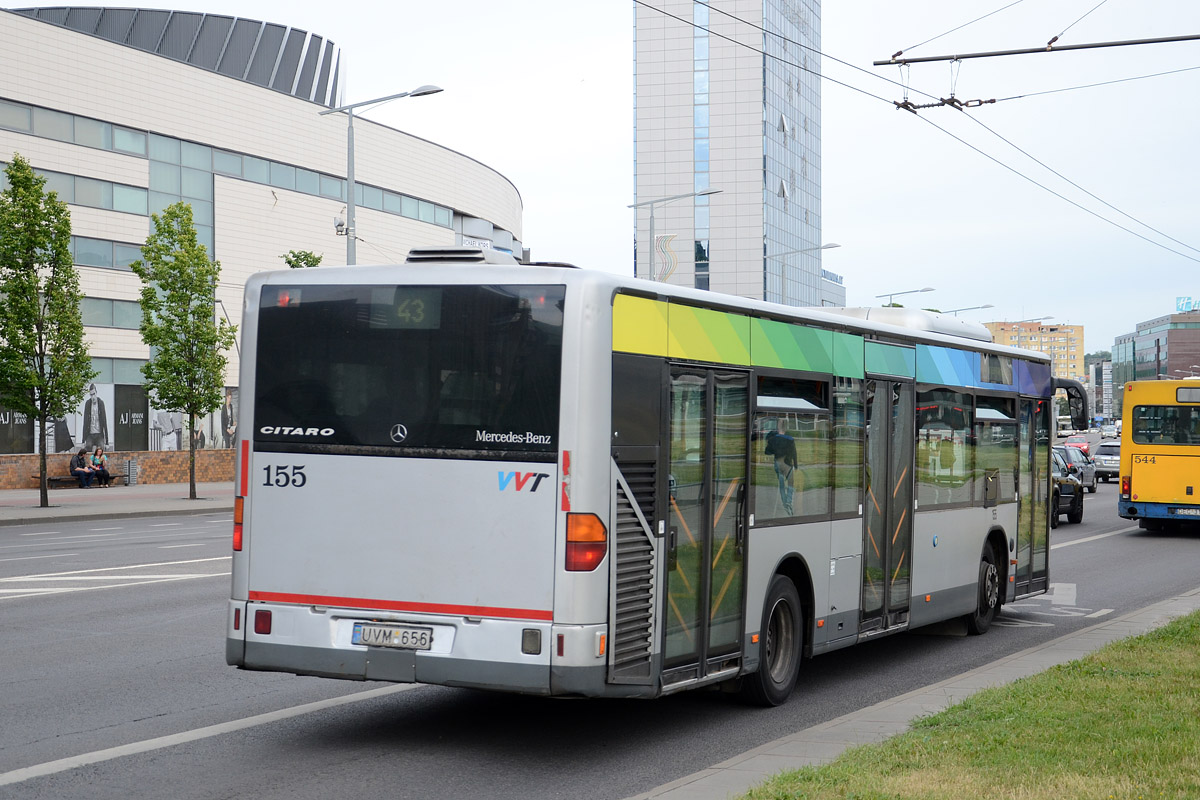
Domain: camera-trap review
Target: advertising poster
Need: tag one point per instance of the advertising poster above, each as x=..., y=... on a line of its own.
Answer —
x=132, y=411
x=16, y=432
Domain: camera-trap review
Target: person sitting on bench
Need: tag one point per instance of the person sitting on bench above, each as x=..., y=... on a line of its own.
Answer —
x=100, y=467
x=81, y=469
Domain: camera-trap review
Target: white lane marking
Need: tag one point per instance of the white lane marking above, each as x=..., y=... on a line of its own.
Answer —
x=147, y=745
x=166, y=576
x=106, y=529
x=129, y=566
x=1093, y=538
x=125, y=537
x=165, y=524
x=66, y=589
x=30, y=558
x=170, y=546
x=1102, y=612
x=43, y=533
x=1062, y=594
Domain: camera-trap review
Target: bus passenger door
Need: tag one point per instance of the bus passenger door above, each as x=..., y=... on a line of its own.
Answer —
x=707, y=522
x=887, y=518
x=1033, y=498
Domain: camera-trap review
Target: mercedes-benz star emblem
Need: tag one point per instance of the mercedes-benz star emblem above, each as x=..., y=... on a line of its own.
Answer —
x=399, y=433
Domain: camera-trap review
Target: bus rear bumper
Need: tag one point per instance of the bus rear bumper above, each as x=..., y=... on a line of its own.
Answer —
x=1132, y=509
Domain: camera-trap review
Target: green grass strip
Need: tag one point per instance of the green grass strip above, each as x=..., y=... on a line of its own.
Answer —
x=1124, y=722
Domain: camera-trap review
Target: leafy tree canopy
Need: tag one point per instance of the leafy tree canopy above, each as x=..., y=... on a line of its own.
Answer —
x=299, y=259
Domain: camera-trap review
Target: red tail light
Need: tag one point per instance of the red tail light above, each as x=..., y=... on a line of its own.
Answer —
x=587, y=542
x=1126, y=485
x=262, y=621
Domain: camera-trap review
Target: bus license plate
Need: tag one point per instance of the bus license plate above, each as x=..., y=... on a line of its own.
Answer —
x=1187, y=512
x=403, y=637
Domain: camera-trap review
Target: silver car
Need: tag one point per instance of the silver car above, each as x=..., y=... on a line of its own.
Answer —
x=1108, y=460
x=1080, y=465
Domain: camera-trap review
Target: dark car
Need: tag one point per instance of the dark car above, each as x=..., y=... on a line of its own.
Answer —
x=1080, y=465
x=1068, y=492
x=1078, y=440
x=1108, y=460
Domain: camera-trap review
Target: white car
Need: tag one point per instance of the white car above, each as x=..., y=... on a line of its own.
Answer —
x=1109, y=432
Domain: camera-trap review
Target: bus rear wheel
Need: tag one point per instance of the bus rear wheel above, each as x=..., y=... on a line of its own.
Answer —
x=780, y=648
x=988, y=595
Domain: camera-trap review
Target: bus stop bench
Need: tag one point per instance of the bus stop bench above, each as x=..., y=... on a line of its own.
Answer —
x=69, y=481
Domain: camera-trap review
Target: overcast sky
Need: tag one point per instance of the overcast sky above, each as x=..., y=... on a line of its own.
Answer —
x=541, y=90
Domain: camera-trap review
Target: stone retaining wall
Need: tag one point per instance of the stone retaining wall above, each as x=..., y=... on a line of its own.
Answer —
x=20, y=471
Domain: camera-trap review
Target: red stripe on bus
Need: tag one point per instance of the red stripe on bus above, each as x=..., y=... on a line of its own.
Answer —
x=245, y=466
x=397, y=605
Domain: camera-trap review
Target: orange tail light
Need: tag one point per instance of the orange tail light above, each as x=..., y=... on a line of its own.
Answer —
x=587, y=542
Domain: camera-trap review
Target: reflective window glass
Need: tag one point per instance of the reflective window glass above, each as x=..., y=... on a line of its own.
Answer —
x=425, y=211
x=308, y=181
x=700, y=47
x=332, y=187
x=256, y=169
x=96, y=311
x=104, y=370
x=202, y=212
x=700, y=83
x=14, y=116
x=53, y=125
x=196, y=183
x=701, y=218
x=283, y=175
x=63, y=184
x=391, y=202
x=791, y=450
x=227, y=163
x=130, y=199
x=847, y=446
x=204, y=235
x=164, y=148
x=126, y=314
x=127, y=371
x=372, y=197
x=93, y=252
x=945, y=448
x=700, y=116
x=93, y=133
x=164, y=177
x=408, y=206
x=160, y=200
x=94, y=193
x=196, y=156
x=443, y=216
x=125, y=254
x=996, y=446
x=129, y=141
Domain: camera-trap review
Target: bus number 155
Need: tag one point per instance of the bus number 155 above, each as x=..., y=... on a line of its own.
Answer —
x=285, y=475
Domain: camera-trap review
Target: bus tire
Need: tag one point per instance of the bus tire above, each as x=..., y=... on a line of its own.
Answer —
x=987, y=597
x=781, y=647
x=1075, y=515
x=1054, y=510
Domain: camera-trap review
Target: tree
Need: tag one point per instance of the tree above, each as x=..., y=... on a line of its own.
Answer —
x=186, y=371
x=44, y=364
x=299, y=259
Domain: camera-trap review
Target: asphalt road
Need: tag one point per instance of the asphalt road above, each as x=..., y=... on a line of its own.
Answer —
x=118, y=668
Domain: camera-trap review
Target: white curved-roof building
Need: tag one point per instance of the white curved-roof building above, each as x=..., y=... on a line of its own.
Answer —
x=129, y=110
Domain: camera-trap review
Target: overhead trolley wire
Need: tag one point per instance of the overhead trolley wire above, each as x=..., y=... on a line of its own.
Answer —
x=990, y=157
x=898, y=53
x=1073, y=24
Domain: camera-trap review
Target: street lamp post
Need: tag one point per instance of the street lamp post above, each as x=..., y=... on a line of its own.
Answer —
x=890, y=295
x=782, y=277
x=955, y=311
x=350, y=231
x=663, y=201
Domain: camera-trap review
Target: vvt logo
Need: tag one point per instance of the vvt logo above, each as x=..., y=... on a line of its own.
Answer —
x=519, y=479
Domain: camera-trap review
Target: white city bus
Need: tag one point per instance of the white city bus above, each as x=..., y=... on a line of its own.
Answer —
x=534, y=478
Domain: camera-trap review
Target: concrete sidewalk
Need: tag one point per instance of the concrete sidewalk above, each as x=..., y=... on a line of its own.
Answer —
x=20, y=506
x=825, y=742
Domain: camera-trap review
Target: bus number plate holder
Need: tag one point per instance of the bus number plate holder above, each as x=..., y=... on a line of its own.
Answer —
x=401, y=637
x=1187, y=512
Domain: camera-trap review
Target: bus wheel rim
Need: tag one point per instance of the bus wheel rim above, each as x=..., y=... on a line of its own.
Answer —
x=781, y=632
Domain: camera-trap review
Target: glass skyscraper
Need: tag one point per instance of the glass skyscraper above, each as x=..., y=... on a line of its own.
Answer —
x=728, y=99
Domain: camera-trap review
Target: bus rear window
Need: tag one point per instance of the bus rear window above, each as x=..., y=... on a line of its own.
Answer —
x=414, y=368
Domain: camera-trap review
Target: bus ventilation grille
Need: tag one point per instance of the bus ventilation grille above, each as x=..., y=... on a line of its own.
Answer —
x=633, y=629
